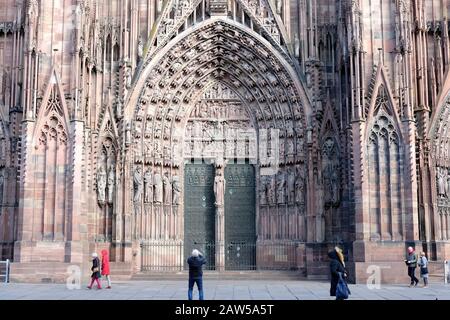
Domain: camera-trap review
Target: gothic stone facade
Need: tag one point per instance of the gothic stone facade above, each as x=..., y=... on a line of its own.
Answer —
x=114, y=113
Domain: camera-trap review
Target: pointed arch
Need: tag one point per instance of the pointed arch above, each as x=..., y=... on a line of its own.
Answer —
x=382, y=99
x=53, y=105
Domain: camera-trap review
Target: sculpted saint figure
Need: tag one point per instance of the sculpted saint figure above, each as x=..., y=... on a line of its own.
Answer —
x=176, y=190
x=167, y=188
x=148, y=182
x=219, y=188
x=158, y=188
x=281, y=187
x=101, y=185
x=111, y=176
x=137, y=184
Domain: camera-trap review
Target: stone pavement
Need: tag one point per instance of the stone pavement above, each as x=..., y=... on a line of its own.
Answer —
x=220, y=290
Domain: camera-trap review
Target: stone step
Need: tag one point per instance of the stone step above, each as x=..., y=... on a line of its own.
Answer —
x=224, y=275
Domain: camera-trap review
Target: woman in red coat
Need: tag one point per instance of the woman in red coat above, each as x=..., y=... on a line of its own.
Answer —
x=105, y=267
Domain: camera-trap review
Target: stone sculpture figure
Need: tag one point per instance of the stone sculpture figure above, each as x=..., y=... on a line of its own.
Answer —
x=299, y=188
x=291, y=186
x=128, y=134
x=140, y=50
x=271, y=190
x=335, y=185
x=281, y=188
x=219, y=189
x=137, y=184
x=2, y=184
x=327, y=184
x=128, y=77
x=111, y=178
x=442, y=177
x=158, y=188
x=101, y=185
x=148, y=186
x=176, y=191
x=167, y=188
x=263, y=190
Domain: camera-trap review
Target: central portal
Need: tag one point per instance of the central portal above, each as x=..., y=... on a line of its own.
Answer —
x=219, y=147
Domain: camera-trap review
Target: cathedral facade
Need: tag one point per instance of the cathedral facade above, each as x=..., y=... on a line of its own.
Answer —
x=262, y=132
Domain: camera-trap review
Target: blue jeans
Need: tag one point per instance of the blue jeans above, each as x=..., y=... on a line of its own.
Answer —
x=199, y=282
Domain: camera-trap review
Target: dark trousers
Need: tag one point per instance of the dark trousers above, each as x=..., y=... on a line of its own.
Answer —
x=411, y=274
x=199, y=282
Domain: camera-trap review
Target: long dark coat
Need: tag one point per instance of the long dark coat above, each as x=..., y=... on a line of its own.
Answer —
x=335, y=267
x=95, y=264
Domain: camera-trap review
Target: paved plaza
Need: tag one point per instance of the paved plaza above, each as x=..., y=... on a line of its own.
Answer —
x=220, y=290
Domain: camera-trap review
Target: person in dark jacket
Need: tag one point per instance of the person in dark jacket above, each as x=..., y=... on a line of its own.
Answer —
x=411, y=262
x=337, y=265
x=196, y=262
x=95, y=271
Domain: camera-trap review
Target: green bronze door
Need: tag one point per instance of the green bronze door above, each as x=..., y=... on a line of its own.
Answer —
x=240, y=215
x=199, y=211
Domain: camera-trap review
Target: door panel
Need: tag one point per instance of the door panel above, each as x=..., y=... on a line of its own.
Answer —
x=199, y=210
x=240, y=215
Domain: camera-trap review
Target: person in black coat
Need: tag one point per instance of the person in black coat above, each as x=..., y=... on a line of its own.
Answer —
x=95, y=271
x=196, y=262
x=337, y=265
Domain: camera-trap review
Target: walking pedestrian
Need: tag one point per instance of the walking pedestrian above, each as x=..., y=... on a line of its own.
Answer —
x=95, y=271
x=196, y=262
x=337, y=269
x=423, y=264
x=411, y=262
x=105, y=267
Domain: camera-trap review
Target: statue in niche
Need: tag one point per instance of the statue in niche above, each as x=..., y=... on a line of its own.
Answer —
x=271, y=190
x=281, y=188
x=299, y=188
x=148, y=186
x=176, y=191
x=327, y=184
x=290, y=147
x=148, y=128
x=448, y=184
x=291, y=186
x=137, y=185
x=167, y=152
x=148, y=149
x=442, y=183
x=128, y=77
x=219, y=189
x=158, y=151
x=263, y=190
x=159, y=4
x=140, y=50
x=101, y=185
x=111, y=179
x=128, y=134
x=158, y=188
x=296, y=46
x=2, y=184
x=167, y=188
x=335, y=185
x=166, y=130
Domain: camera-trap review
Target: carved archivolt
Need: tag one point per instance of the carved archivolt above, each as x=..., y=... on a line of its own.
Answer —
x=215, y=53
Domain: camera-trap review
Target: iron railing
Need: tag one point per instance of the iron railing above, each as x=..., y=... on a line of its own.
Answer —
x=237, y=256
x=4, y=271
